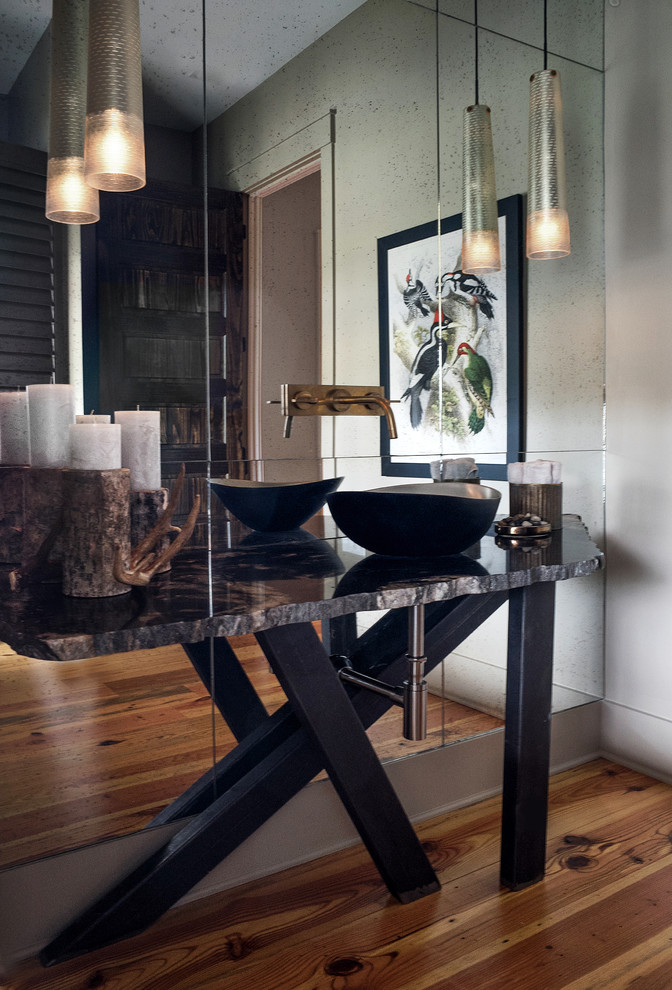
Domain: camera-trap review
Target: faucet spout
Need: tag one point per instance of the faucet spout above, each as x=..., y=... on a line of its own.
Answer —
x=386, y=405
x=368, y=401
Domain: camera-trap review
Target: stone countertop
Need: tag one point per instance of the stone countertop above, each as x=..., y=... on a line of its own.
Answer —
x=262, y=580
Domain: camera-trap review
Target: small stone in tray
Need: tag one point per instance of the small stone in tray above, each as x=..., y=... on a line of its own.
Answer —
x=524, y=520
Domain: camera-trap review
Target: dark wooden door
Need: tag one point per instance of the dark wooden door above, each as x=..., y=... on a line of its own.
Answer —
x=157, y=307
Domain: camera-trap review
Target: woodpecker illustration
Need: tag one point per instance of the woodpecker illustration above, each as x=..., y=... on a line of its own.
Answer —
x=424, y=367
x=416, y=296
x=477, y=380
x=472, y=288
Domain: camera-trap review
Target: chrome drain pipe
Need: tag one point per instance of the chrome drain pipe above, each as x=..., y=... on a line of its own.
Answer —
x=412, y=696
x=347, y=673
x=415, y=687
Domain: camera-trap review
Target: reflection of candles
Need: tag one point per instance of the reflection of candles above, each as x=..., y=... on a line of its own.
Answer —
x=14, y=436
x=93, y=418
x=141, y=447
x=51, y=409
x=95, y=446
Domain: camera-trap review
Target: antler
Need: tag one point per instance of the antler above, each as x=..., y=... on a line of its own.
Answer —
x=144, y=561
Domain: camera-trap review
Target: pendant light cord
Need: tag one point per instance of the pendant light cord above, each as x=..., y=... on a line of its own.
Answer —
x=439, y=261
x=545, y=35
x=437, y=85
x=476, y=51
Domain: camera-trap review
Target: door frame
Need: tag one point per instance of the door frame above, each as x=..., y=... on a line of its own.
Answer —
x=320, y=160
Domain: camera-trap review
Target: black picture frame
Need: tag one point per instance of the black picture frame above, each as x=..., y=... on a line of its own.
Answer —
x=404, y=257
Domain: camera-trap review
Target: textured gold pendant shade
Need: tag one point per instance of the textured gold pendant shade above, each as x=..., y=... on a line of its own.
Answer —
x=114, y=148
x=69, y=199
x=547, y=217
x=480, y=232
x=480, y=227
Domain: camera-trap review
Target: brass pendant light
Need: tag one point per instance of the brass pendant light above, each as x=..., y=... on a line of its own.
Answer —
x=480, y=226
x=114, y=149
x=547, y=217
x=69, y=199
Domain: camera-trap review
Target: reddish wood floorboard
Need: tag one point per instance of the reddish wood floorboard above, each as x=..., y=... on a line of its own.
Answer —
x=600, y=919
x=93, y=749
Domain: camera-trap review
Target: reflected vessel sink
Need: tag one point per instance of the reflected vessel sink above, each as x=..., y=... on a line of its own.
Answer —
x=273, y=506
x=416, y=520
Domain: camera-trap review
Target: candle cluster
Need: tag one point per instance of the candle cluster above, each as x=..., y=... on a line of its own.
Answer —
x=39, y=428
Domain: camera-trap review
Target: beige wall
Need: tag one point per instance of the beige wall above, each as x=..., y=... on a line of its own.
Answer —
x=638, y=143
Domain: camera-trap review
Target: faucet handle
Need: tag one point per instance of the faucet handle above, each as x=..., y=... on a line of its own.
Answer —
x=334, y=395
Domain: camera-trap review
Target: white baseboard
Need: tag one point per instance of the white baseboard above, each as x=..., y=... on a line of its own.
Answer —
x=482, y=685
x=638, y=740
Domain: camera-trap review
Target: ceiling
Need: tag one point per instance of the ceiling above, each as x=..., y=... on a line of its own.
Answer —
x=247, y=41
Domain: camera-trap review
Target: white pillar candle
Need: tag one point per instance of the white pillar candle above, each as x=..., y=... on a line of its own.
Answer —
x=539, y=472
x=95, y=446
x=92, y=418
x=141, y=447
x=14, y=435
x=51, y=410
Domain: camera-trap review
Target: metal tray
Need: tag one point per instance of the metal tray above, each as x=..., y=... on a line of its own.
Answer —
x=529, y=544
x=526, y=531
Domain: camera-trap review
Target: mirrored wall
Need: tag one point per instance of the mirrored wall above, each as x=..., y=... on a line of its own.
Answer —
x=357, y=138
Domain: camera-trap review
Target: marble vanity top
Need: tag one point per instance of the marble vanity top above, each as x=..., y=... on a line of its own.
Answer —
x=256, y=581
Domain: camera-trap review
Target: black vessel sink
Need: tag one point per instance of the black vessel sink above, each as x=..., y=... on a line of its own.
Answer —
x=416, y=520
x=273, y=506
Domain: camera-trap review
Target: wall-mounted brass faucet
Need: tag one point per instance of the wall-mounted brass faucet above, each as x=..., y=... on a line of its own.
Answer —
x=336, y=400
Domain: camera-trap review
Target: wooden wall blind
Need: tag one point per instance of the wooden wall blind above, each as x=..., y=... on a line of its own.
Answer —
x=26, y=270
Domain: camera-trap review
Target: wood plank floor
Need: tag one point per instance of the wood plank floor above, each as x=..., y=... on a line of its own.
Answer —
x=93, y=749
x=602, y=917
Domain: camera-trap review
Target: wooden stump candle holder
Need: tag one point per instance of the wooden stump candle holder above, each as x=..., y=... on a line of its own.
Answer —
x=96, y=520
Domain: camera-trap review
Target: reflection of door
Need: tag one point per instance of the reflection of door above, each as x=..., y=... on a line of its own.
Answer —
x=287, y=288
x=26, y=270
x=152, y=318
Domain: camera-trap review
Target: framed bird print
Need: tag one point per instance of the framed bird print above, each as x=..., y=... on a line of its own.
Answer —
x=451, y=348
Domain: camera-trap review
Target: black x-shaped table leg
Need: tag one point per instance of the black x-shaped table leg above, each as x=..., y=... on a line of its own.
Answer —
x=322, y=706
x=276, y=759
